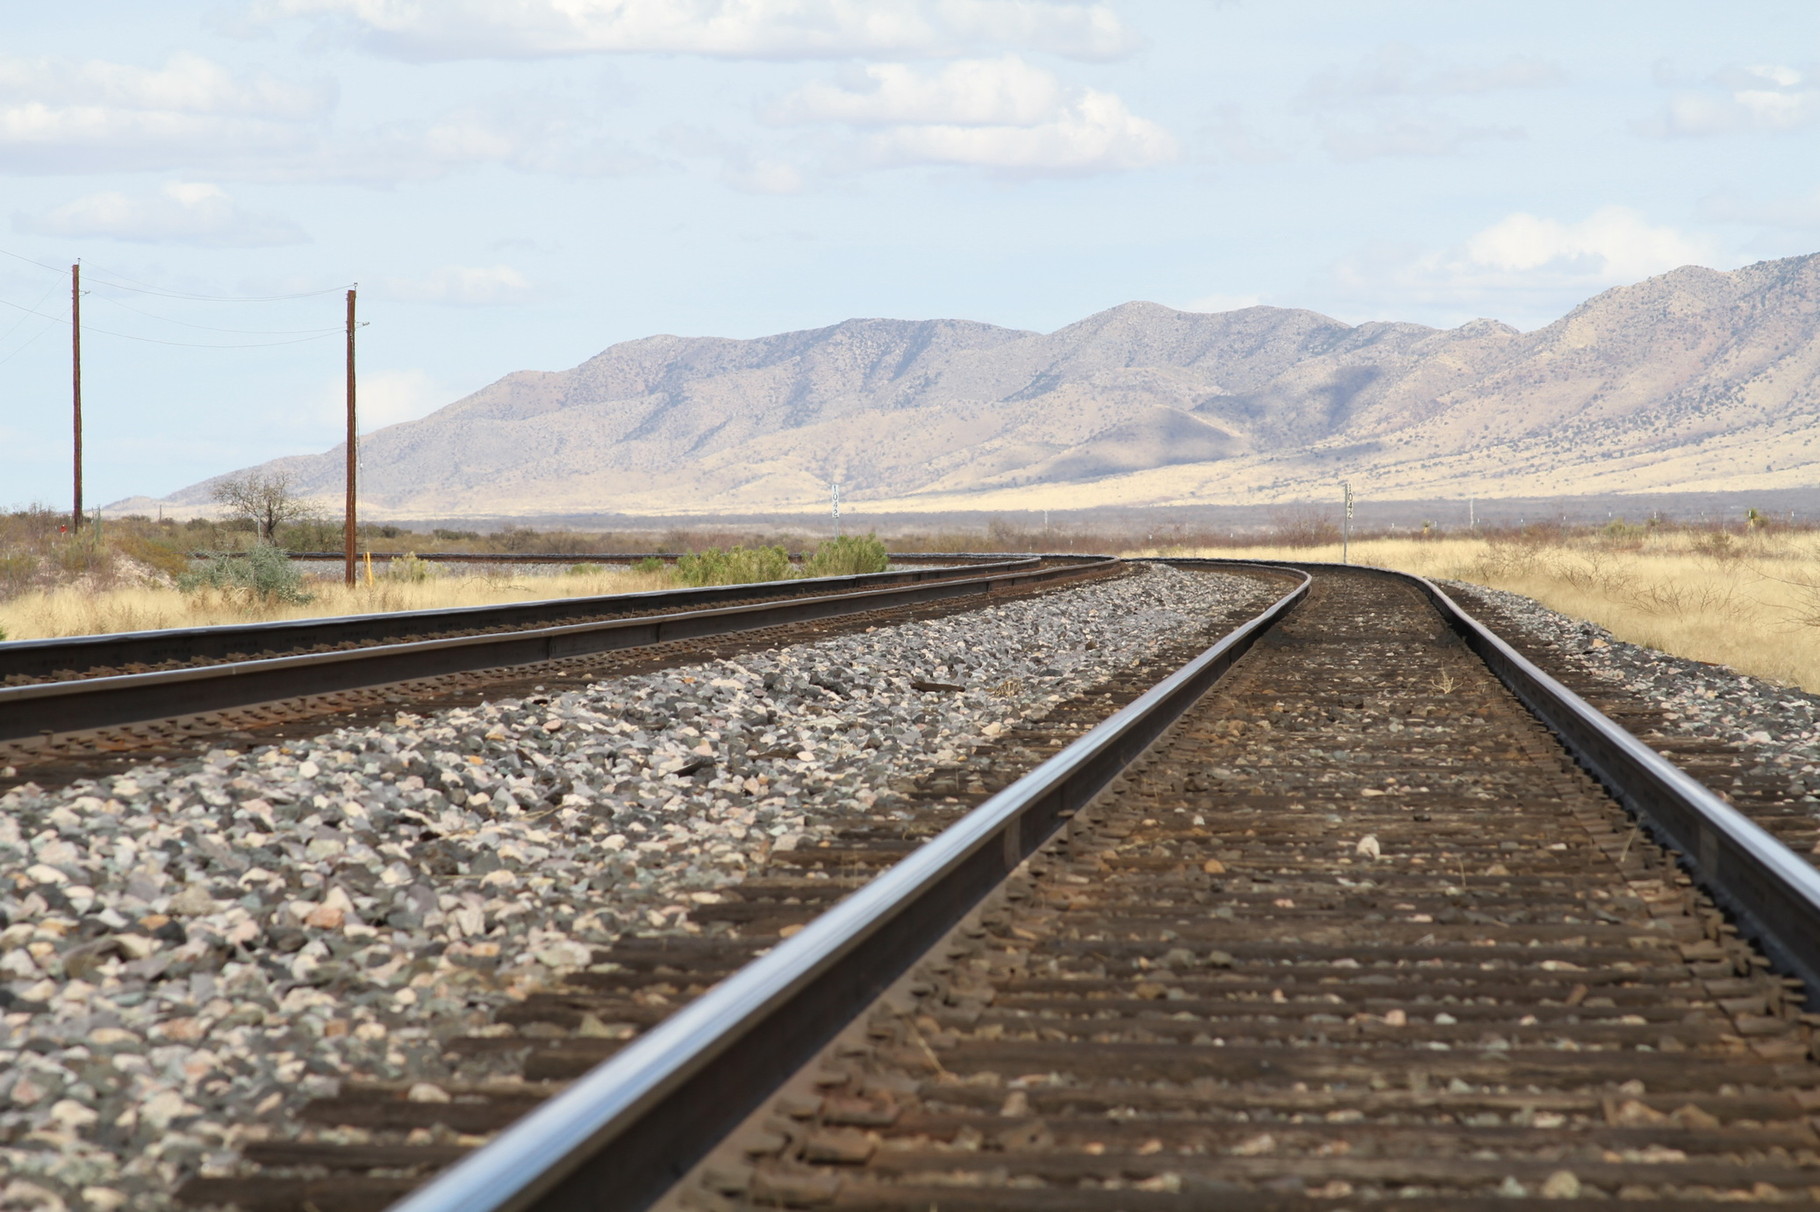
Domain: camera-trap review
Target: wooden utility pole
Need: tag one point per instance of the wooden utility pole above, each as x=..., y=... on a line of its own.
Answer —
x=76, y=385
x=347, y=536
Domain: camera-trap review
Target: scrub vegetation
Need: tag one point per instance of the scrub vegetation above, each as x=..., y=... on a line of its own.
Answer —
x=137, y=574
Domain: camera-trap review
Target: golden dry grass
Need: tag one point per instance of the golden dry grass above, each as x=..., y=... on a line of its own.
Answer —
x=1750, y=602
x=75, y=611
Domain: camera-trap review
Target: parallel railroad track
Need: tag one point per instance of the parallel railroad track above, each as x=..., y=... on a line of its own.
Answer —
x=23, y=662
x=38, y=713
x=1358, y=932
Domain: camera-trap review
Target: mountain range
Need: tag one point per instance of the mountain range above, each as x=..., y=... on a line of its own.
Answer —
x=1694, y=380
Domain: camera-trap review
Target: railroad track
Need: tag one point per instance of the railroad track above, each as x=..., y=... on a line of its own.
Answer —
x=42, y=714
x=535, y=1047
x=1357, y=932
x=26, y=661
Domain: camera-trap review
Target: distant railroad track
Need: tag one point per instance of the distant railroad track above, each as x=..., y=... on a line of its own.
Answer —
x=337, y=655
x=1352, y=929
x=596, y=557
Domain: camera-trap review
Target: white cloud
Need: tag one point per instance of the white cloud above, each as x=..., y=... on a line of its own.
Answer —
x=1525, y=268
x=460, y=284
x=1613, y=243
x=1766, y=97
x=187, y=83
x=743, y=29
x=387, y=397
x=63, y=115
x=1001, y=114
x=381, y=398
x=979, y=92
x=180, y=213
x=1400, y=70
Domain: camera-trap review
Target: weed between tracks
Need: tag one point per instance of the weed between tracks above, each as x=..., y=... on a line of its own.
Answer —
x=1748, y=601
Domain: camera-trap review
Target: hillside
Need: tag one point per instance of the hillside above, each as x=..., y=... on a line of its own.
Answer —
x=1692, y=380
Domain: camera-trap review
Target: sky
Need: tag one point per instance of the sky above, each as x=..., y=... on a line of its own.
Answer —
x=518, y=184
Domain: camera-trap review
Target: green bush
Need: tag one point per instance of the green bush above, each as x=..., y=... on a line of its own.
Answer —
x=262, y=573
x=409, y=568
x=738, y=566
x=848, y=555
x=648, y=564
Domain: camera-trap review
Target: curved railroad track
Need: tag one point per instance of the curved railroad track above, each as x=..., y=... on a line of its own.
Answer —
x=1357, y=932
x=1345, y=927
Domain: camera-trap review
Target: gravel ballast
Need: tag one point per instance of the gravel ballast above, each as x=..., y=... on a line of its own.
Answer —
x=188, y=951
x=1777, y=726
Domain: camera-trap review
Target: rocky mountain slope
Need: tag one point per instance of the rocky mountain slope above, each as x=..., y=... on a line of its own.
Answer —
x=1693, y=380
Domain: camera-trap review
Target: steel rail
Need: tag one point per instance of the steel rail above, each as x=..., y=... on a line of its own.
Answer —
x=627, y=1130
x=83, y=703
x=604, y=557
x=39, y=658
x=1771, y=893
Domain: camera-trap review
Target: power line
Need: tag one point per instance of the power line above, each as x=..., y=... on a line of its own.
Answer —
x=28, y=342
x=183, y=344
x=17, y=324
x=146, y=288
x=251, y=332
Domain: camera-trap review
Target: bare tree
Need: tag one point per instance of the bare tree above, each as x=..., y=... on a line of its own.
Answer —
x=264, y=499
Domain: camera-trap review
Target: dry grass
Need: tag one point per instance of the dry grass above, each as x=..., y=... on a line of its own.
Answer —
x=1750, y=602
x=79, y=611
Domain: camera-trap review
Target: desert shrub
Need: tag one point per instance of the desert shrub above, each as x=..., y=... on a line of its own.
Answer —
x=648, y=564
x=1715, y=545
x=734, y=566
x=18, y=570
x=263, y=574
x=410, y=569
x=455, y=536
x=848, y=555
x=311, y=534
x=1307, y=526
x=586, y=570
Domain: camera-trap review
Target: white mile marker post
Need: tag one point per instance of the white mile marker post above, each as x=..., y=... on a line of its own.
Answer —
x=1346, y=526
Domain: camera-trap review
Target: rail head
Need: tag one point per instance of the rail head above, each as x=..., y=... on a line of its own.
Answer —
x=629, y=1117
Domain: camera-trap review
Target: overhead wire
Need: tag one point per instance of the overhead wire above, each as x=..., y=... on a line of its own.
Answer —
x=33, y=339
x=88, y=328
x=147, y=288
x=251, y=332
x=21, y=320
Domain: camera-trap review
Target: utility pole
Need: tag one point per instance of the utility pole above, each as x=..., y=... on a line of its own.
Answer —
x=76, y=385
x=347, y=533
x=1346, y=526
